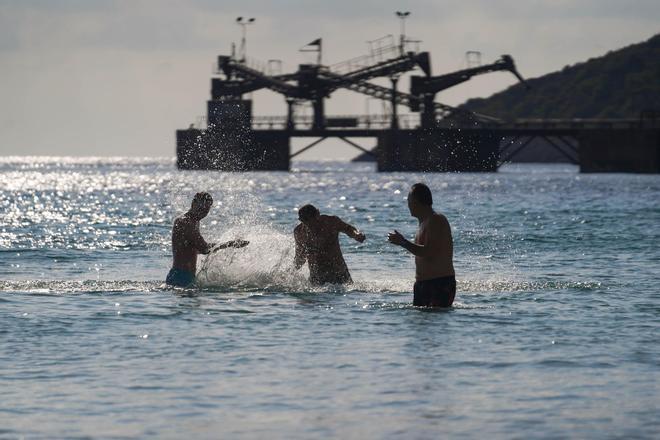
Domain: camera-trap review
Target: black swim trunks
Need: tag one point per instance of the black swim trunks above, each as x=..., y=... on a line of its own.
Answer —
x=438, y=292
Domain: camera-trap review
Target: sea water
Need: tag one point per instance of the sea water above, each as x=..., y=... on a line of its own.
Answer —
x=554, y=333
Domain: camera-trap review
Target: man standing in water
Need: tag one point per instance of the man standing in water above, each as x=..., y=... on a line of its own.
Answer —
x=187, y=242
x=435, y=281
x=317, y=243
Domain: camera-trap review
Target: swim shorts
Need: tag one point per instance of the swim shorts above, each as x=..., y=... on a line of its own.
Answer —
x=438, y=292
x=179, y=278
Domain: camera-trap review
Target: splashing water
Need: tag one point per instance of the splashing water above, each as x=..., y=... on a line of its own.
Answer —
x=553, y=332
x=266, y=263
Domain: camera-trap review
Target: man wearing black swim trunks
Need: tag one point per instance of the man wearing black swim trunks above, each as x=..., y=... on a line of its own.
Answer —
x=435, y=281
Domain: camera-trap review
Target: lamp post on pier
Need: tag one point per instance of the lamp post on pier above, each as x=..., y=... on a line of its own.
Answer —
x=402, y=16
x=243, y=23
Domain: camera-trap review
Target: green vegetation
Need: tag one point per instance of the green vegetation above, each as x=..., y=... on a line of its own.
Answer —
x=619, y=84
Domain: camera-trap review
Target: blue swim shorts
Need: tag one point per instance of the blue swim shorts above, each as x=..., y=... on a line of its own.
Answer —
x=179, y=278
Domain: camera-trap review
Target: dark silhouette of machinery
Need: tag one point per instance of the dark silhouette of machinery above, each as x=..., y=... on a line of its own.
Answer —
x=442, y=138
x=424, y=88
x=316, y=82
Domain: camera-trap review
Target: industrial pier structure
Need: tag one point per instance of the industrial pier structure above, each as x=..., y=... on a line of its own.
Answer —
x=434, y=137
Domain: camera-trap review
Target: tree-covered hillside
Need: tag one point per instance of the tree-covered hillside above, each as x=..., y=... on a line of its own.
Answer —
x=619, y=84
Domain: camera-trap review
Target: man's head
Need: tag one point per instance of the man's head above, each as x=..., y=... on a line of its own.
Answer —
x=308, y=213
x=201, y=204
x=419, y=199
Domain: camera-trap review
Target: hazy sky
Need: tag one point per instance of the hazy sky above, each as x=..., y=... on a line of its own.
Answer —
x=86, y=77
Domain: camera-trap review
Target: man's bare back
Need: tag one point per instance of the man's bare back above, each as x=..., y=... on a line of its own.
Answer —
x=317, y=243
x=187, y=243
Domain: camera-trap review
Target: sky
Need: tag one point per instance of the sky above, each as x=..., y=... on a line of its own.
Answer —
x=118, y=77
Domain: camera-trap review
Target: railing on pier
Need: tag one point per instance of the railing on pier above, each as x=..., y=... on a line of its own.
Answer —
x=412, y=121
x=359, y=122
x=305, y=122
x=380, y=50
x=577, y=123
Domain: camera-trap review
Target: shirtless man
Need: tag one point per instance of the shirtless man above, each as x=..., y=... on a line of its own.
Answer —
x=317, y=243
x=187, y=242
x=435, y=281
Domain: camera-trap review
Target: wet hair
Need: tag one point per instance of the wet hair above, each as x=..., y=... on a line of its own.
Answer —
x=307, y=212
x=202, y=199
x=422, y=194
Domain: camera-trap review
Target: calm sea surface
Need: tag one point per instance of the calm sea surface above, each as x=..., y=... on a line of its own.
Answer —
x=555, y=331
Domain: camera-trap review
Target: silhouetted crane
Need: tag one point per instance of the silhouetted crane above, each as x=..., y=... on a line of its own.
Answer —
x=315, y=82
x=424, y=88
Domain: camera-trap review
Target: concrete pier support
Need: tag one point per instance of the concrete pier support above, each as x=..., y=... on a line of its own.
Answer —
x=230, y=144
x=620, y=151
x=438, y=150
x=262, y=150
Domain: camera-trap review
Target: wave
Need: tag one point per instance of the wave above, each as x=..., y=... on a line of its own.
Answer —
x=84, y=286
x=504, y=285
x=266, y=265
x=86, y=160
x=279, y=279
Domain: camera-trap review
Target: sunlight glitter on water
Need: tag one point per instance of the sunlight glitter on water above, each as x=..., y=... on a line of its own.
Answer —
x=553, y=330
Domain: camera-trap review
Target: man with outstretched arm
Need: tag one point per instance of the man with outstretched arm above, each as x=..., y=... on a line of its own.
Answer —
x=317, y=243
x=187, y=242
x=435, y=281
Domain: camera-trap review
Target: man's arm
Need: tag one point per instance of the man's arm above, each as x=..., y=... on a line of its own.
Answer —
x=198, y=241
x=301, y=253
x=432, y=244
x=230, y=244
x=349, y=230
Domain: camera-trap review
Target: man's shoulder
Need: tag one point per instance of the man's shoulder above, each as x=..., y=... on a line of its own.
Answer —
x=331, y=219
x=298, y=229
x=332, y=222
x=183, y=221
x=439, y=219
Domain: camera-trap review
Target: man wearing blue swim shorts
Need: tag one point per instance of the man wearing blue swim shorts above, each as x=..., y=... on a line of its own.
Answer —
x=187, y=242
x=433, y=248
